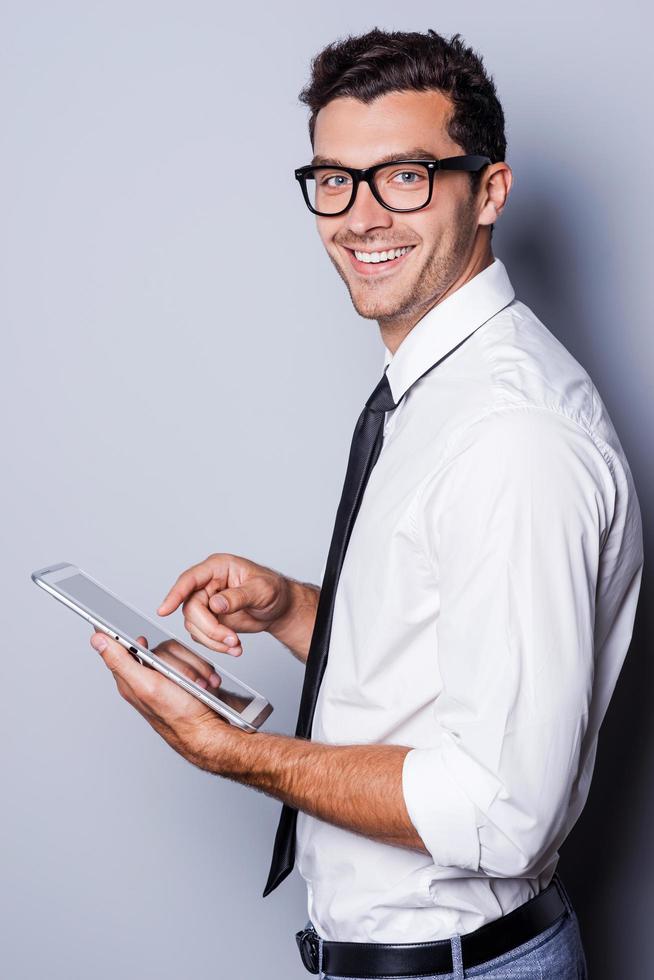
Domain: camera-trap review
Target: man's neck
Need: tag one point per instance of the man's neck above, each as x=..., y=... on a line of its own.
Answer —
x=394, y=329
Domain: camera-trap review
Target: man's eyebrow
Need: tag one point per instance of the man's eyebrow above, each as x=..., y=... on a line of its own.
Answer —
x=415, y=153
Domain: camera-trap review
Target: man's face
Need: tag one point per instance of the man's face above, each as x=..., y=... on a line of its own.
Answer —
x=441, y=235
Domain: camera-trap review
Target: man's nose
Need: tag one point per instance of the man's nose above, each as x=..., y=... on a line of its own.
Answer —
x=366, y=212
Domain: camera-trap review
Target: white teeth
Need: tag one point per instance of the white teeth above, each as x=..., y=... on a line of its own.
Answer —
x=392, y=253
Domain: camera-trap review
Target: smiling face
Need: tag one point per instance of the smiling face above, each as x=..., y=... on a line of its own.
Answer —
x=445, y=239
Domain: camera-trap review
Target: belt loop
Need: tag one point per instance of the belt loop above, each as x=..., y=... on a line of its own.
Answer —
x=320, y=973
x=457, y=958
x=567, y=901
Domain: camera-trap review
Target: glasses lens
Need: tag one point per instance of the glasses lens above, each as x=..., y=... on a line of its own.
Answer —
x=403, y=185
x=329, y=189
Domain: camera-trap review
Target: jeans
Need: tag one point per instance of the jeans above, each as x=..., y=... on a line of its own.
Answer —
x=555, y=954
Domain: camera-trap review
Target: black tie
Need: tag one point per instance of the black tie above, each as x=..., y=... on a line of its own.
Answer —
x=366, y=446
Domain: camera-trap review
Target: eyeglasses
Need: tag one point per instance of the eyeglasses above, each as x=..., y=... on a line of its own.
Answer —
x=402, y=185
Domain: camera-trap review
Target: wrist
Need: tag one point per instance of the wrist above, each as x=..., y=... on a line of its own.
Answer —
x=303, y=598
x=229, y=756
x=241, y=761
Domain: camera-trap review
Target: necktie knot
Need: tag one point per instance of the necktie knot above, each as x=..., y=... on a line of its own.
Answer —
x=381, y=399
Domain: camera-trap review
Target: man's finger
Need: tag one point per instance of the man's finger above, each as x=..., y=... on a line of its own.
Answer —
x=196, y=611
x=204, y=628
x=192, y=580
x=231, y=600
x=218, y=645
x=117, y=658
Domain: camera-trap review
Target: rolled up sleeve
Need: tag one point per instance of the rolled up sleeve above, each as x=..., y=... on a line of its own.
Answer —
x=512, y=525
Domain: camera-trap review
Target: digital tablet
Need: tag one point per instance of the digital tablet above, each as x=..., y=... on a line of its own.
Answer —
x=204, y=678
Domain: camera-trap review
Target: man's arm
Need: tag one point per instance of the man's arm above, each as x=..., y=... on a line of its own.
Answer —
x=512, y=527
x=358, y=787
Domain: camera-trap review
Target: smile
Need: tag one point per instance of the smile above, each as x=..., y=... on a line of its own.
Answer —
x=373, y=263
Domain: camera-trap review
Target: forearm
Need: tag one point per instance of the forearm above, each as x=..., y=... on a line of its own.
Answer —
x=294, y=629
x=358, y=787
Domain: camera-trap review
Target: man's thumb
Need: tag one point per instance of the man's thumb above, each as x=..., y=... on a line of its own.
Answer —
x=229, y=600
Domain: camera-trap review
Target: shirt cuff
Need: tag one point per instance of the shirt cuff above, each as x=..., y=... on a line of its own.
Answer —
x=440, y=811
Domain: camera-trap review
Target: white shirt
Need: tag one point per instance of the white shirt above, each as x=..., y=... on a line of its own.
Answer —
x=483, y=612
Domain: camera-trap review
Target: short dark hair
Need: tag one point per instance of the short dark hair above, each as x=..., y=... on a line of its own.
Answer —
x=369, y=65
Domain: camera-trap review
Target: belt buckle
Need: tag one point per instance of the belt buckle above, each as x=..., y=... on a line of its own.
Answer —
x=307, y=943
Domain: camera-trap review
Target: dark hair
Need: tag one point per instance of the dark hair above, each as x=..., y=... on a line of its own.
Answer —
x=378, y=62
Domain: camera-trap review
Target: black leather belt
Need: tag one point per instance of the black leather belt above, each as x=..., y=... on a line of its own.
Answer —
x=426, y=959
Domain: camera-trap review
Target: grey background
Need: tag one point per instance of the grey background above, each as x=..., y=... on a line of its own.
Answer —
x=181, y=373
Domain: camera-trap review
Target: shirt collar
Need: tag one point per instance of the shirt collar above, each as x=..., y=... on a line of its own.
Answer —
x=446, y=325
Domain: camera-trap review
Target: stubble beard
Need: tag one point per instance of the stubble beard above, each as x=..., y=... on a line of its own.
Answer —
x=437, y=273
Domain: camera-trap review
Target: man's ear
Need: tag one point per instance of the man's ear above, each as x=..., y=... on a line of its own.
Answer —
x=496, y=187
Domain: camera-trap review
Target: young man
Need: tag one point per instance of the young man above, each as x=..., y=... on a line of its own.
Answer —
x=479, y=594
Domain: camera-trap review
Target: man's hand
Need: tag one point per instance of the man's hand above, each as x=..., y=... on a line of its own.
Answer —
x=225, y=594
x=194, y=730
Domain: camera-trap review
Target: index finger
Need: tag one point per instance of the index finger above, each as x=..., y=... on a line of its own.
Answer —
x=194, y=578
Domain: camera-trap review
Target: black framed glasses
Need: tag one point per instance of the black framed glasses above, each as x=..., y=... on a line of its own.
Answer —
x=401, y=185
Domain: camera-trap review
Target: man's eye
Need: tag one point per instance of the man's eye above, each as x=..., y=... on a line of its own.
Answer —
x=414, y=177
x=334, y=180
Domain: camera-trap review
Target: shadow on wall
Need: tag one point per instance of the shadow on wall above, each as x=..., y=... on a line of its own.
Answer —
x=607, y=860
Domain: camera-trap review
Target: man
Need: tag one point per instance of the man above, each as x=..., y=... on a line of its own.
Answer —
x=480, y=590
